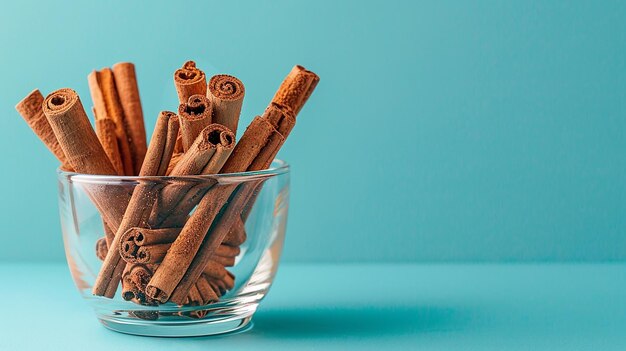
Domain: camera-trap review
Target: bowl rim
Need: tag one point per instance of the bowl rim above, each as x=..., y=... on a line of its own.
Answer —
x=277, y=167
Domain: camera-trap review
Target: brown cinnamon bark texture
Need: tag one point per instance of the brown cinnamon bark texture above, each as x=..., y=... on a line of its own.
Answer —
x=237, y=233
x=292, y=95
x=141, y=202
x=142, y=245
x=107, y=105
x=206, y=291
x=31, y=110
x=195, y=115
x=185, y=247
x=128, y=91
x=135, y=278
x=148, y=236
x=206, y=156
x=296, y=89
x=143, y=254
x=214, y=269
x=254, y=139
x=226, y=95
x=79, y=143
x=189, y=80
x=196, y=229
x=105, y=130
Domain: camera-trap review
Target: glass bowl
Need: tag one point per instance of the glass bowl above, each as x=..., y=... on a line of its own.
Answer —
x=253, y=248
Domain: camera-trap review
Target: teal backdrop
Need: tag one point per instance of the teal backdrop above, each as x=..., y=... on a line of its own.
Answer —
x=440, y=131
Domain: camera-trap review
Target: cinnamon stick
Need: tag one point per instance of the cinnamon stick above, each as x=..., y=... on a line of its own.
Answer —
x=148, y=236
x=105, y=130
x=206, y=156
x=195, y=299
x=144, y=195
x=79, y=143
x=195, y=115
x=182, y=251
x=189, y=80
x=237, y=233
x=226, y=95
x=223, y=260
x=149, y=254
x=214, y=269
x=281, y=118
x=292, y=95
x=174, y=161
x=135, y=278
x=296, y=89
x=254, y=139
x=181, y=277
x=107, y=105
x=206, y=291
x=128, y=91
x=227, y=251
x=30, y=108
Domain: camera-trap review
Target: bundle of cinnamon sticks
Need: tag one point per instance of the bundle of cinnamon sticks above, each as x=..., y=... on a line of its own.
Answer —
x=174, y=241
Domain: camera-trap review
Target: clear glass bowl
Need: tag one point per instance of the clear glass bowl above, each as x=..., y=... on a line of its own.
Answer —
x=254, y=267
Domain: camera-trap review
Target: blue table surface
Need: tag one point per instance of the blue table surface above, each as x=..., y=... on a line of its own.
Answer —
x=364, y=306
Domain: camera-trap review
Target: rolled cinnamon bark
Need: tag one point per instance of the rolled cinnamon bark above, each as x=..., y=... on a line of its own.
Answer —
x=161, y=145
x=206, y=156
x=85, y=154
x=189, y=80
x=141, y=202
x=223, y=260
x=195, y=299
x=292, y=95
x=254, y=139
x=296, y=89
x=30, y=108
x=226, y=95
x=128, y=91
x=135, y=278
x=214, y=269
x=220, y=284
x=195, y=115
x=183, y=249
x=215, y=286
x=149, y=254
x=227, y=251
x=206, y=291
x=148, y=236
x=77, y=139
x=196, y=230
x=281, y=118
x=107, y=105
x=229, y=280
x=174, y=161
x=237, y=233
x=105, y=130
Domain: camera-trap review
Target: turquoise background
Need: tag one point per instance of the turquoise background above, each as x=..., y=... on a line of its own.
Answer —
x=440, y=131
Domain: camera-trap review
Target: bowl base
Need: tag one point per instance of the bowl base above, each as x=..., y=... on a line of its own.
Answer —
x=191, y=328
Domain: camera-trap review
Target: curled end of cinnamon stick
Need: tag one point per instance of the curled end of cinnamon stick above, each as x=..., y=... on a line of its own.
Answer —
x=217, y=135
x=60, y=101
x=195, y=114
x=226, y=87
x=189, y=80
x=196, y=107
x=157, y=294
